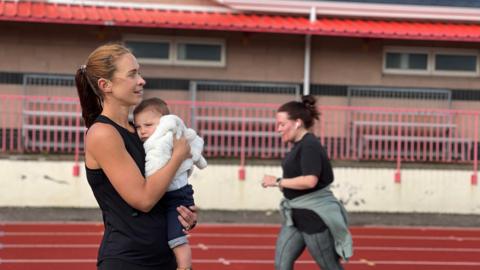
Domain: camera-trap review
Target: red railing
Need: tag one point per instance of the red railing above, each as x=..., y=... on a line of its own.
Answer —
x=39, y=124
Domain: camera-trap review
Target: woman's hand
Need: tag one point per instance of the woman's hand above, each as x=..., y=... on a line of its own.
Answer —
x=181, y=148
x=269, y=181
x=187, y=217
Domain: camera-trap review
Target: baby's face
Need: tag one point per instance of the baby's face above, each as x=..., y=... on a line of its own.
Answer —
x=146, y=122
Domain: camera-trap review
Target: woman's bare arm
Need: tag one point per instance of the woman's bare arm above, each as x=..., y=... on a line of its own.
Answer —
x=299, y=182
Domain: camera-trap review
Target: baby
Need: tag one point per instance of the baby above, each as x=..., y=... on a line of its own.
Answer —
x=156, y=127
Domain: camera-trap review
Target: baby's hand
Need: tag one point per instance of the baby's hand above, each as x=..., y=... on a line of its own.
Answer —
x=181, y=148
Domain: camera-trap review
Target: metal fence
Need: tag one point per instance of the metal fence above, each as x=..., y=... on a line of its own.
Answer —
x=245, y=92
x=399, y=97
x=39, y=124
x=32, y=124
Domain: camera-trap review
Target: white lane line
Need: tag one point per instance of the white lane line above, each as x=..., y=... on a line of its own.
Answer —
x=223, y=261
x=201, y=246
x=387, y=237
x=3, y=261
x=42, y=246
x=241, y=247
x=204, y=247
x=440, y=263
x=196, y=261
x=426, y=249
x=251, y=235
x=406, y=237
x=416, y=228
x=50, y=223
x=256, y=236
x=50, y=233
x=229, y=262
x=386, y=248
x=235, y=235
x=240, y=225
x=367, y=262
x=244, y=225
x=355, y=236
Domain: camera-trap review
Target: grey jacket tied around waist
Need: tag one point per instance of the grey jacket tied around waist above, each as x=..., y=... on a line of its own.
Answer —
x=330, y=210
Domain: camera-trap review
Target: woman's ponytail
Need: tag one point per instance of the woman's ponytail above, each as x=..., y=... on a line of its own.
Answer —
x=89, y=100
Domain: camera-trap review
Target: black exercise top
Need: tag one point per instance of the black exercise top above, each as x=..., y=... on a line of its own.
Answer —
x=130, y=235
x=307, y=157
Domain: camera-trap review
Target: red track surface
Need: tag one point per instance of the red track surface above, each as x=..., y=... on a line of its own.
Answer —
x=72, y=246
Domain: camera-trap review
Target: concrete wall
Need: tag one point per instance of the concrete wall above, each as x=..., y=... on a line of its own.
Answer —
x=50, y=183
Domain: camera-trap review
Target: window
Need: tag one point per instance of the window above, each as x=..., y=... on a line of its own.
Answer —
x=154, y=50
x=459, y=63
x=150, y=51
x=199, y=52
x=407, y=61
x=178, y=51
x=430, y=61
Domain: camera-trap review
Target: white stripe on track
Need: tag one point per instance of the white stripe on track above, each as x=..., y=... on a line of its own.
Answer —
x=406, y=237
x=204, y=247
x=3, y=261
x=272, y=247
x=245, y=225
x=41, y=246
x=251, y=235
x=426, y=249
x=50, y=233
x=229, y=262
x=355, y=236
x=223, y=261
x=50, y=223
x=440, y=263
x=201, y=246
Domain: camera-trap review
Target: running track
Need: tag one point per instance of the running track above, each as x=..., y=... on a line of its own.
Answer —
x=73, y=246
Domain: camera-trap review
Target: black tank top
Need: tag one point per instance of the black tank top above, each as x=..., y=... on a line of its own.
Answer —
x=130, y=235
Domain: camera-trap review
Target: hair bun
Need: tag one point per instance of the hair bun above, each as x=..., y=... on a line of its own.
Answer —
x=309, y=101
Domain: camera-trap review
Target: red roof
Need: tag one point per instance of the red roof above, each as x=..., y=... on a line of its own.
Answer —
x=42, y=12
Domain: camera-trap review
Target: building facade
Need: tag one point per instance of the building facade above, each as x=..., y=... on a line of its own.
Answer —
x=324, y=47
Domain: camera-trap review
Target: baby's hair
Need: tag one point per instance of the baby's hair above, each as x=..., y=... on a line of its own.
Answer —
x=156, y=104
